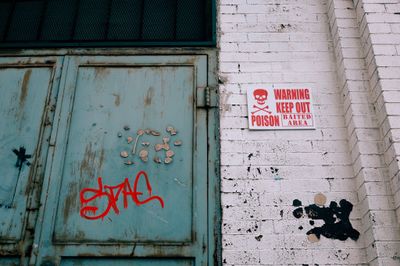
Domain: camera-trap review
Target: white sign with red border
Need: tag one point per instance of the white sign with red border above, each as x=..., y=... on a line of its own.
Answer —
x=280, y=108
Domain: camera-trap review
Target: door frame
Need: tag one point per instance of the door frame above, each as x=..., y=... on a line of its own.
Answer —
x=213, y=155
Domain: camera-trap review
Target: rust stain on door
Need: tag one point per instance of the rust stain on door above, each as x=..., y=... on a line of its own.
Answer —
x=117, y=100
x=149, y=96
x=71, y=202
x=87, y=164
x=24, y=87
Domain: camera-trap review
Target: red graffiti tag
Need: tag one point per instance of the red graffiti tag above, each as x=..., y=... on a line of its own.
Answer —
x=111, y=194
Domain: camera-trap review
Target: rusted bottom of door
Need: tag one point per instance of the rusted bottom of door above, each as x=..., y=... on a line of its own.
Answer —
x=127, y=261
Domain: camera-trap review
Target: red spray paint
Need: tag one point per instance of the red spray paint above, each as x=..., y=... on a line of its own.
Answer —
x=112, y=194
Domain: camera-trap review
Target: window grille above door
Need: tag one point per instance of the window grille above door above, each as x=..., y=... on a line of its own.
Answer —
x=55, y=23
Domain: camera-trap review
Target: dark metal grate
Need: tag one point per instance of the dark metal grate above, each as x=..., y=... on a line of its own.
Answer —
x=25, y=29
x=104, y=22
x=59, y=20
x=121, y=12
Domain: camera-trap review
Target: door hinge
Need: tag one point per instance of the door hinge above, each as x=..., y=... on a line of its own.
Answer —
x=211, y=97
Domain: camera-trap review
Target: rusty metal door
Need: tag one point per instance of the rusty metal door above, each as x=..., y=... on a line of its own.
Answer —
x=28, y=95
x=127, y=170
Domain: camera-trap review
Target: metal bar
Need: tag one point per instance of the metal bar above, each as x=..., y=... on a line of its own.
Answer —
x=105, y=44
x=209, y=14
x=141, y=21
x=40, y=27
x=175, y=19
x=107, y=29
x=9, y=19
x=213, y=21
x=75, y=19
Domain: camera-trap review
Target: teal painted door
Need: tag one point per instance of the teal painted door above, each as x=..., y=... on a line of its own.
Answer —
x=127, y=170
x=28, y=89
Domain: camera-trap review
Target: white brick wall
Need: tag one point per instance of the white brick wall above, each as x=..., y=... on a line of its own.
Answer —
x=312, y=43
x=367, y=154
x=381, y=20
x=289, y=43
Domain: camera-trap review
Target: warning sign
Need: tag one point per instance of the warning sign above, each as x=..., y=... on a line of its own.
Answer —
x=280, y=108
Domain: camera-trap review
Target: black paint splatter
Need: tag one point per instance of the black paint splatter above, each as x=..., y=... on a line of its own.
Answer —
x=297, y=203
x=250, y=155
x=300, y=227
x=21, y=157
x=274, y=170
x=258, y=238
x=298, y=213
x=312, y=222
x=336, y=217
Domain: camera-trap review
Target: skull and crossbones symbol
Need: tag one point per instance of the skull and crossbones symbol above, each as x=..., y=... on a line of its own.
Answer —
x=260, y=95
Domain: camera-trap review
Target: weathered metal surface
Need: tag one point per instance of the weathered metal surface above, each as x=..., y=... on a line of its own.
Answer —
x=26, y=113
x=127, y=261
x=161, y=217
x=33, y=190
x=84, y=162
x=24, y=92
x=20, y=125
x=10, y=261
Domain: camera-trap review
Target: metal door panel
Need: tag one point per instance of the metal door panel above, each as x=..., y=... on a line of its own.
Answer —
x=28, y=87
x=102, y=95
x=21, y=112
x=143, y=97
x=25, y=88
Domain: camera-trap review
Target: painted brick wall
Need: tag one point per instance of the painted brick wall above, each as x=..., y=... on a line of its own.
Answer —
x=297, y=43
x=380, y=30
x=380, y=227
